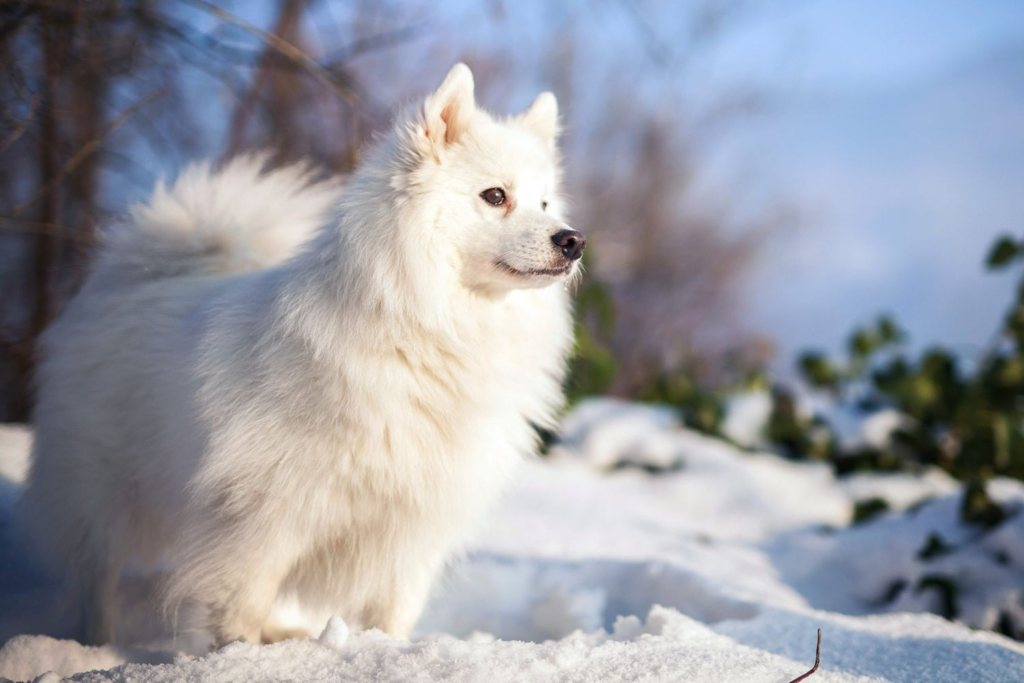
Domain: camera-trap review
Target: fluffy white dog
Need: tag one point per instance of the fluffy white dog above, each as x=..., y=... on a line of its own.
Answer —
x=288, y=390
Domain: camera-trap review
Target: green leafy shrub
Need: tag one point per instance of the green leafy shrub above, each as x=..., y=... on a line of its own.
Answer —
x=700, y=408
x=592, y=367
x=869, y=509
x=965, y=416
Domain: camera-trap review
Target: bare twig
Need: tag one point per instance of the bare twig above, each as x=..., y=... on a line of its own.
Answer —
x=211, y=48
x=287, y=22
x=22, y=125
x=817, y=661
x=51, y=229
x=285, y=49
x=657, y=48
x=84, y=152
x=18, y=20
x=374, y=42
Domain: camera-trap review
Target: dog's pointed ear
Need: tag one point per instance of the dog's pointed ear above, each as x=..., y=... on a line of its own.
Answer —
x=448, y=110
x=541, y=117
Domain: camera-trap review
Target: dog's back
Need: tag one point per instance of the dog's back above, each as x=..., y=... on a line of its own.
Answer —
x=116, y=369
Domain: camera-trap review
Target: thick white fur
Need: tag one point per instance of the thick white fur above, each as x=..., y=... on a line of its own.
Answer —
x=282, y=389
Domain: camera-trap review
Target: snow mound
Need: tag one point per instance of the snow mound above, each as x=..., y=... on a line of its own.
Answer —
x=335, y=634
x=667, y=646
x=719, y=568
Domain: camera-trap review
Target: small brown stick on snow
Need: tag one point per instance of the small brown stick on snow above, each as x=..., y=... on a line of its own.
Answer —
x=817, y=661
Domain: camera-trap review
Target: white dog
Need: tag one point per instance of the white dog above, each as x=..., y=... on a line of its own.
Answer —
x=321, y=419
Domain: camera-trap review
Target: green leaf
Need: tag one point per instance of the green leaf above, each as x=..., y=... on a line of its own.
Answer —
x=1011, y=371
x=863, y=342
x=888, y=331
x=947, y=590
x=863, y=510
x=977, y=508
x=1005, y=250
x=818, y=370
x=934, y=547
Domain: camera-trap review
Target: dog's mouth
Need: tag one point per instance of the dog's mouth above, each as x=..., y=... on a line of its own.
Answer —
x=550, y=272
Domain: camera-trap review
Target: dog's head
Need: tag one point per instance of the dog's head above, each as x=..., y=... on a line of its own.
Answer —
x=488, y=187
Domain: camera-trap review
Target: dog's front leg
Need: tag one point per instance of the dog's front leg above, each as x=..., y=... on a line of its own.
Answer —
x=398, y=602
x=241, y=613
x=236, y=571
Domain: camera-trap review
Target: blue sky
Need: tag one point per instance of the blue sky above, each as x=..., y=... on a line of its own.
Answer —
x=857, y=43
x=897, y=128
x=894, y=127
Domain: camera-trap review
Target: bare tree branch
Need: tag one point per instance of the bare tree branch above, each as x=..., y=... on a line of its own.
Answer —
x=285, y=49
x=16, y=22
x=22, y=125
x=84, y=152
x=374, y=42
x=50, y=229
x=287, y=21
x=660, y=52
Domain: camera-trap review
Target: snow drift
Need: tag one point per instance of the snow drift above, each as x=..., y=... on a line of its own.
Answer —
x=722, y=568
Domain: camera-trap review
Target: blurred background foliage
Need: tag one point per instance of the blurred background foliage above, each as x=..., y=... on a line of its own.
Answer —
x=100, y=98
x=962, y=415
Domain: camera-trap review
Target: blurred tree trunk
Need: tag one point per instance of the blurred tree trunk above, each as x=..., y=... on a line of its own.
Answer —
x=73, y=71
x=285, y=27
x=89, y=90
x=46, y=243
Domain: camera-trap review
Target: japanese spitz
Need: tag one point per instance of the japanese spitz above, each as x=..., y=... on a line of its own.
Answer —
x=284, y=389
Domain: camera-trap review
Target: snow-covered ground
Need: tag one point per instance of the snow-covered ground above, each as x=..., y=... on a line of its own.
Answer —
x=719, y=568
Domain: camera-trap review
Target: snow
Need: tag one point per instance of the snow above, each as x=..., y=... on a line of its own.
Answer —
x=898, y=490
x=14, y=445
x=747, y=414
x=720, y=567
x=335, y=634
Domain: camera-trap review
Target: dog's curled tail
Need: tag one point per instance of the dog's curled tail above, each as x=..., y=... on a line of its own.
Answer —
x=236, y=218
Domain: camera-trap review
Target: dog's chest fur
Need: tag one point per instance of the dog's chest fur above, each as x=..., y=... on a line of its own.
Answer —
x=402, y=428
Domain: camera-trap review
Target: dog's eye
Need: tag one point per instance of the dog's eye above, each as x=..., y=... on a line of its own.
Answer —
x=494, y=196
x=543, y=206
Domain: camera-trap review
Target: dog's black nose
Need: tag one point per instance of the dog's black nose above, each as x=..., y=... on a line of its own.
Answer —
x=571, y=243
